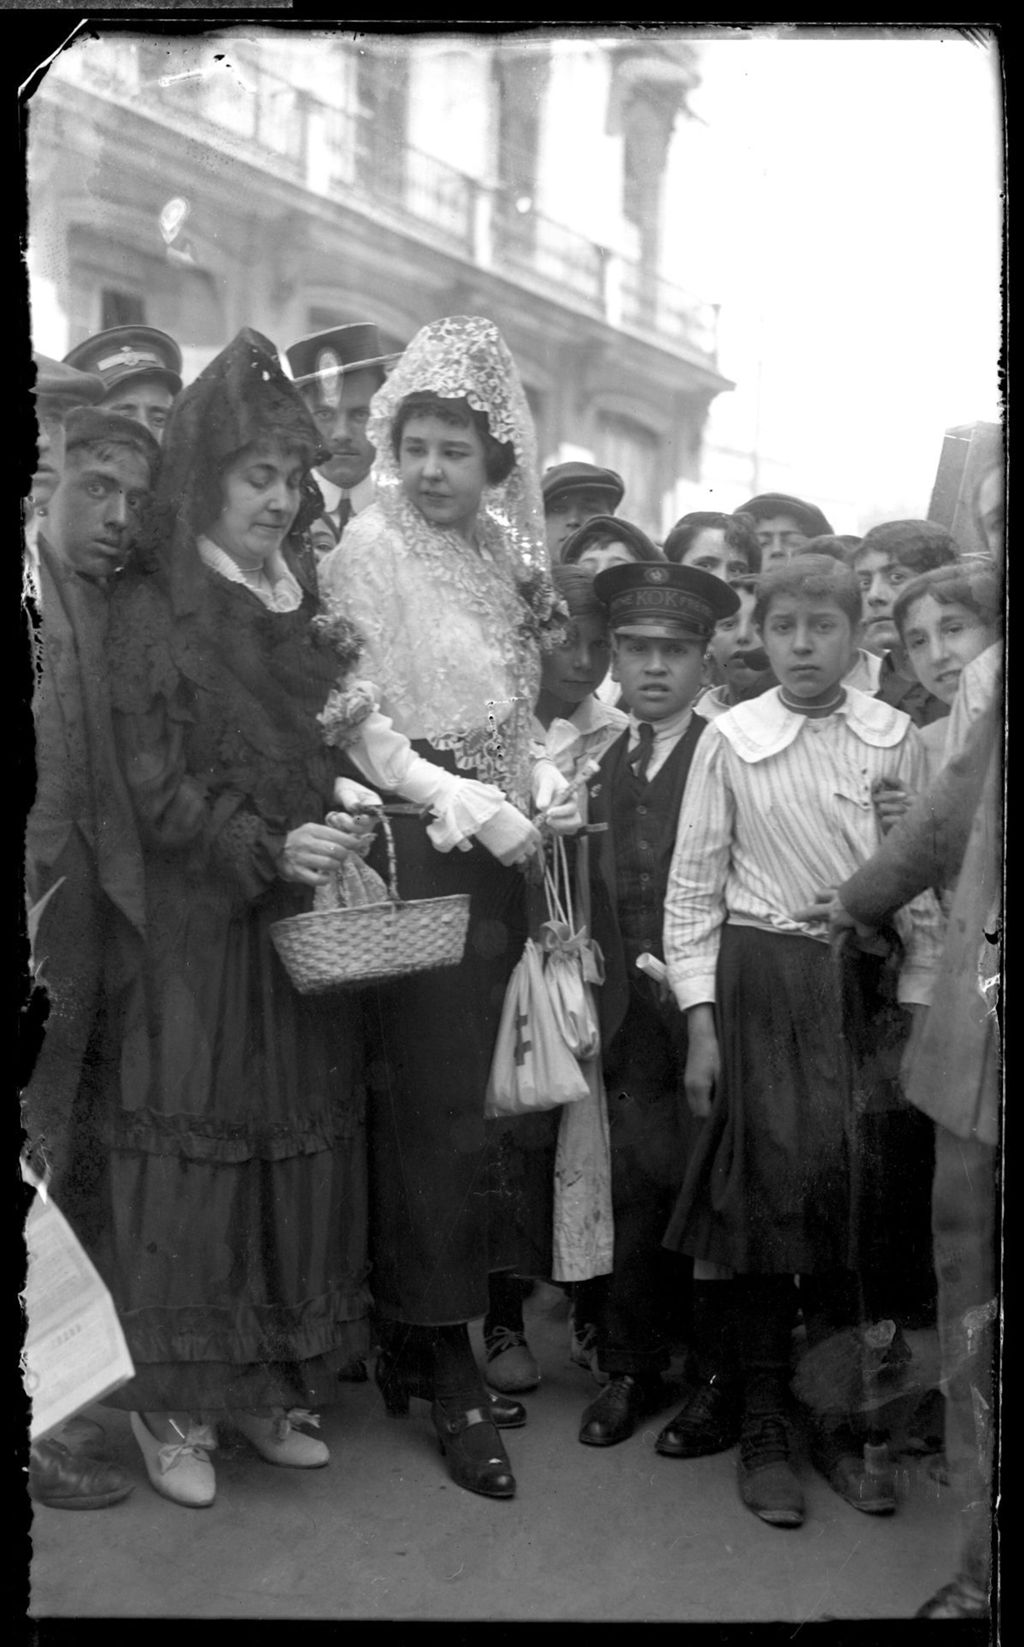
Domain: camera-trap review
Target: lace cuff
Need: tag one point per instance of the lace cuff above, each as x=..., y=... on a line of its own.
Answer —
x=247, y=851
x=461, y=806
x=468, y=807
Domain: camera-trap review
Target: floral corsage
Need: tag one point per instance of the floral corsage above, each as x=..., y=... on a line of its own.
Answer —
x=349, y=702
x=546, y=619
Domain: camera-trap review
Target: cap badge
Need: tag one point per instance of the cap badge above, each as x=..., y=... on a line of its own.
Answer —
x=128, y=355
x=655, y=574
x=329, y=373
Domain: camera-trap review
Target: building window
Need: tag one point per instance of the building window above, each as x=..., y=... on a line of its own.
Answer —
x=382, y=107
x=646, y=133
x=520, y=81
x=120, y=309
x=634, y=451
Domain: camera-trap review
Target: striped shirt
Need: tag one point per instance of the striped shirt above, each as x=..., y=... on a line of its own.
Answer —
x=778, y=807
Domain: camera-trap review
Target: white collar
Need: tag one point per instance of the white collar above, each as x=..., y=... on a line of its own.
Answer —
x=359, y=495
x=284, y=595
x=765, y=726
x=864, y=672
x=590, y=715
x=672, y=727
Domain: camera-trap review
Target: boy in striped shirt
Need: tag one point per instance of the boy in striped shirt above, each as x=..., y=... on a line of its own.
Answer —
x=781, y=1030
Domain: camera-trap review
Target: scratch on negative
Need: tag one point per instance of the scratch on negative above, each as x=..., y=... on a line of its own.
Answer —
x=843, y=1565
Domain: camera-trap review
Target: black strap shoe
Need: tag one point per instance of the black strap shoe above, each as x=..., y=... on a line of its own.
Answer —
x=614, y=1415
x=476, y=1456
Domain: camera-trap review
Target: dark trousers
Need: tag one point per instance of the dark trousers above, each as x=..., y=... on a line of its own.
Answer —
x=643, y=1302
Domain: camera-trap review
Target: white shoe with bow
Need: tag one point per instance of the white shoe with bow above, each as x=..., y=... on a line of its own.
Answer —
x=278, y=1440
x=179, y=1469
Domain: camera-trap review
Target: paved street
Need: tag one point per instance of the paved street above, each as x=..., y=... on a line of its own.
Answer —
x=610, y=1535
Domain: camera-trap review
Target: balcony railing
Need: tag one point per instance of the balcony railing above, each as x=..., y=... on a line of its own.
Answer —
x=266, y=120
x=655, y=305
x=536, y=246
x=368, y=165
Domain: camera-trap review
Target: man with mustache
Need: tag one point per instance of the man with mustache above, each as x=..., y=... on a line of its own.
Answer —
x=338, y=372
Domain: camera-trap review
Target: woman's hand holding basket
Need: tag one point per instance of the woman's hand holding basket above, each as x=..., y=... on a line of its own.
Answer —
x=311, y=852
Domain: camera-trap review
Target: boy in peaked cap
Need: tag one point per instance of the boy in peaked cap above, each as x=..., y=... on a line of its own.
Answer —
x=140, y=368
x=661, y=618
x=338, y=372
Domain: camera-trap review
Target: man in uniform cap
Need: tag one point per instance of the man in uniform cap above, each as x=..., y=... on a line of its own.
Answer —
x=141, y=372
x=338, y=372
x=784, y=526
x=661, y=618
x=573, y=493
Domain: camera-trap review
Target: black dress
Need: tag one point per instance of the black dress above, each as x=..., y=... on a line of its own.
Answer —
x=232, y=1224
x=437, y=1185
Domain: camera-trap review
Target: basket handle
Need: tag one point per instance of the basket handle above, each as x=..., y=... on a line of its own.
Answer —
x=334, y=895
x=389, y=842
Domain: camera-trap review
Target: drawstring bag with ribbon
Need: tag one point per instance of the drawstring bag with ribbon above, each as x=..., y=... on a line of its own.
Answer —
x=572, y=961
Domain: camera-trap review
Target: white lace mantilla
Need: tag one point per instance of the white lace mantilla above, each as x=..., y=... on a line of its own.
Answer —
x=449, y=640
x=442, y=644
x=466, y=357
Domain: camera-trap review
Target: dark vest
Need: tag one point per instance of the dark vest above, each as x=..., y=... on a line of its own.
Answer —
x=629, y=869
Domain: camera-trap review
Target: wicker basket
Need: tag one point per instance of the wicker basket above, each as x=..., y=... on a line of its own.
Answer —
x=362, y=944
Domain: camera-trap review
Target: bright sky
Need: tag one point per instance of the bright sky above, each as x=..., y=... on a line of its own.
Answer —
x=849, y=211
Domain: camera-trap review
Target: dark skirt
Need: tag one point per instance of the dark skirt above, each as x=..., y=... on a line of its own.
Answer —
x=435, y=1179
x=776, y=1181
x=229, y=1219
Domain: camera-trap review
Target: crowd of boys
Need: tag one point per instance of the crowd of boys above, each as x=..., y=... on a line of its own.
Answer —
x=742, y=631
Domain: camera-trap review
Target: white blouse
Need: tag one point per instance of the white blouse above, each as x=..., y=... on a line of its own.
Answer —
x=778, y=806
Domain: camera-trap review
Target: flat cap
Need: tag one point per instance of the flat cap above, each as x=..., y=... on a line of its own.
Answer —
x=575, y=477
x=603, y=529
x=85, y=424
x=808, y=516
x=56, y=381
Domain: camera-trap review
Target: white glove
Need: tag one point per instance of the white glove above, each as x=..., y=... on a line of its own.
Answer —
x=354, y=797
x=509, y=835
x=555, y=799
x=549, y=785
x=565, y=818
x=355, y=800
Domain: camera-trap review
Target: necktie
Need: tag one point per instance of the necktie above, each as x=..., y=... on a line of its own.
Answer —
x=343, y=513
x=639, y=758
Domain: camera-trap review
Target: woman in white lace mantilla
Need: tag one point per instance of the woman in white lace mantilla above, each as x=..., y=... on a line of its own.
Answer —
x=446, y=578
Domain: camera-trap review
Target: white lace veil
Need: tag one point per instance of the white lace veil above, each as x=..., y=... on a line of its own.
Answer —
x=465, y=356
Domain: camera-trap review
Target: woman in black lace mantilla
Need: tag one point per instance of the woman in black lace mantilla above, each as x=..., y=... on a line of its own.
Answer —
x=233, y=1226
